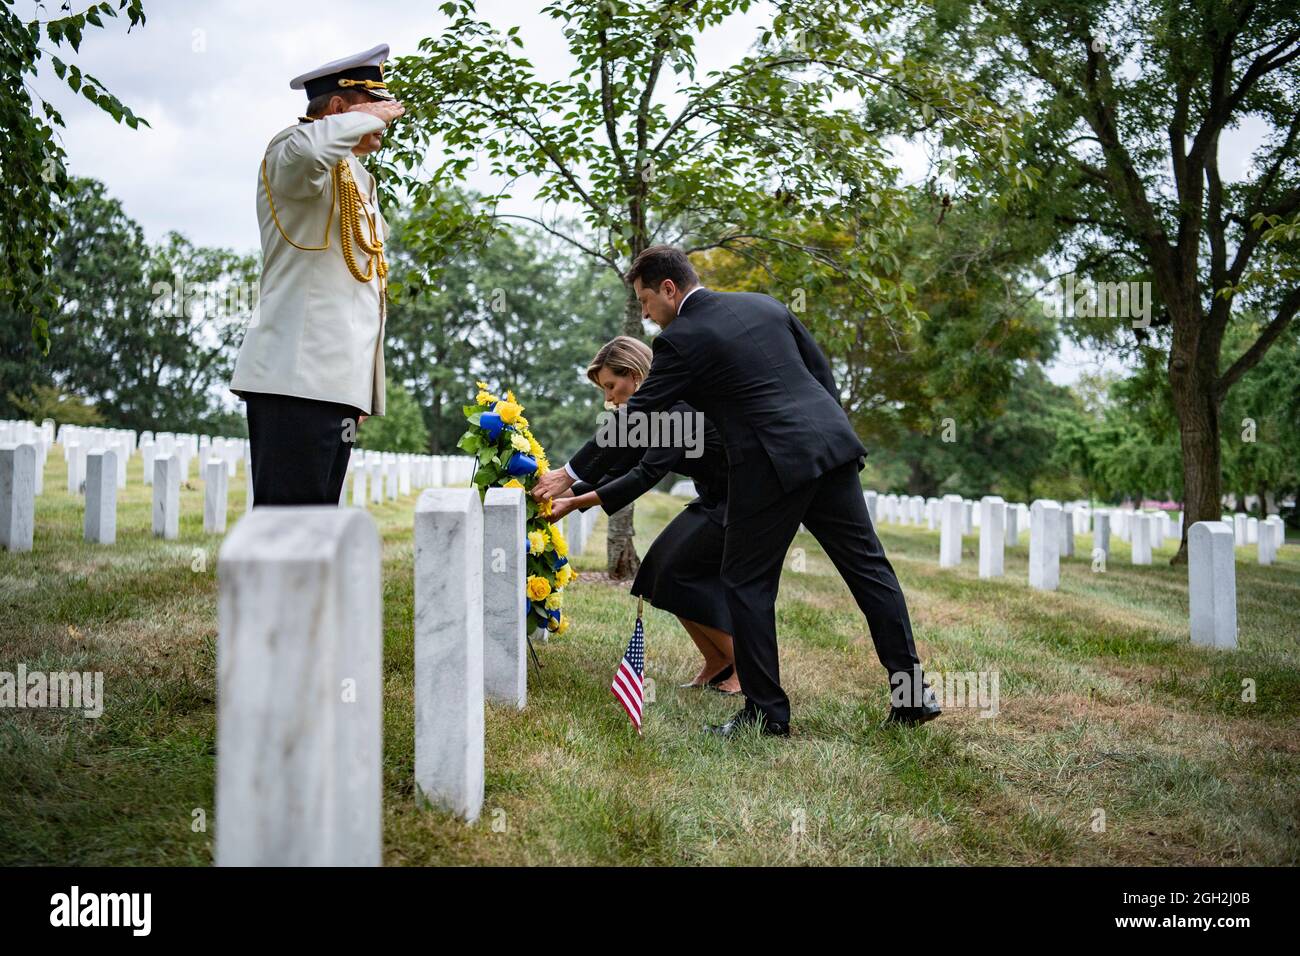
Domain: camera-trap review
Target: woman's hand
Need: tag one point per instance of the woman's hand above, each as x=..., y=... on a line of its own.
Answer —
x=561, y=507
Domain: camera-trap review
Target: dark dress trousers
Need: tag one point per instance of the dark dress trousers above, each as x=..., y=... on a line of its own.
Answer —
x=680, y=573
x=759, y=376
x=299, y=455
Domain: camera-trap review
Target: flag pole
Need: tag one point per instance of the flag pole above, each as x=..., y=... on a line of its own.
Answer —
x=640, y=606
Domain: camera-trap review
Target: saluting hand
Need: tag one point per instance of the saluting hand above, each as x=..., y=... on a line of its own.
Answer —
x=386, y=110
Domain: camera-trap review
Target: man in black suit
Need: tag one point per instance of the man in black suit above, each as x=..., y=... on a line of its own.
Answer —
x=752, y=368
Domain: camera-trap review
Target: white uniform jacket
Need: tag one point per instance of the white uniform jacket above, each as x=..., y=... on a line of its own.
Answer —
x=317, y=332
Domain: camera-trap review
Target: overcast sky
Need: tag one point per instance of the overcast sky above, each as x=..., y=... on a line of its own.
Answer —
x=212, y=79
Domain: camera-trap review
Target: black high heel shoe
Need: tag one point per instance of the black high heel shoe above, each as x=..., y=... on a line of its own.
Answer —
x=721, y=675
x=715, y=685
x=713, y=681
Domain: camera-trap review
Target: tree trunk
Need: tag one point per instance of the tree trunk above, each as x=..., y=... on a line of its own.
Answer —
x=622, y=561
x=620, y=552
x=920, y=481
x=1197, y=404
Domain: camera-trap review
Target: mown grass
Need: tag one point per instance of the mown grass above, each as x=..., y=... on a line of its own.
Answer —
x=1104, y=708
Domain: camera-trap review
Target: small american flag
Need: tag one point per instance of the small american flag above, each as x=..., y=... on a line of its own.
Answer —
x=627, y=680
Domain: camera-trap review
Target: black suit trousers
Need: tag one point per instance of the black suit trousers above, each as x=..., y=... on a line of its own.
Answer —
x=832, y=508
x=299, y=454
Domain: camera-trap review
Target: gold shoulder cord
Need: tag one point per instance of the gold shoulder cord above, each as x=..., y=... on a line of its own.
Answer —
x=348, y=198
x=276, y=219
x=350, y=210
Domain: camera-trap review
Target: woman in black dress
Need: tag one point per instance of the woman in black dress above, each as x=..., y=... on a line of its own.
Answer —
x=680, y=572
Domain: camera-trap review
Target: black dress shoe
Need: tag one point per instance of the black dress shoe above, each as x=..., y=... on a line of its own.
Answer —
x=747, y=718
x=913, y=715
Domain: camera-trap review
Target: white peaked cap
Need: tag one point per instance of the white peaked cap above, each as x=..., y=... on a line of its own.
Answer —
x=363, y=71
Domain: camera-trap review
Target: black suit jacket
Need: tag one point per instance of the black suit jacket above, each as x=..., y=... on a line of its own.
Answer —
x=758, y=375
x=623, y=485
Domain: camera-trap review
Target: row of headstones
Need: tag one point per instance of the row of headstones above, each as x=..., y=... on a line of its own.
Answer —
x=1246, y=531
x=1143, y=531
x=377, y=476
x=1212, y=584
x=79, y=442
x=299, y=776
x=390, y=476
x=97, y=469
x=916, y=510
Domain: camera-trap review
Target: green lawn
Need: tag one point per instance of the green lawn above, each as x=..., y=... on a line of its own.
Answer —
x=1104, y=707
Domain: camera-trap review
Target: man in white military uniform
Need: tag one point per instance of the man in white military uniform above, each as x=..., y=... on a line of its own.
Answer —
x=312, y=363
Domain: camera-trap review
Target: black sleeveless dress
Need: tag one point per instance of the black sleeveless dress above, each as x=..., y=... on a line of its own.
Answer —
x=680, y=572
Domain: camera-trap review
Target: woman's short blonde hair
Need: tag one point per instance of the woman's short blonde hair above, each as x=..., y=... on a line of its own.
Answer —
x=622, y=356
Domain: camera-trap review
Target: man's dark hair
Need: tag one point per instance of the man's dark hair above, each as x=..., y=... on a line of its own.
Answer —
x=657, y=263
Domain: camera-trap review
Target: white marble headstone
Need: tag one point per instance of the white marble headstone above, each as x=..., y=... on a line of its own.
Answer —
x=449, y=720
x=1044, y=545
x=300, y=690
x=1067, y=531
x=1101, y=534
x=359, y=485
x=505, y=605
x=215, y=476
x=166, y=497
x=950, y=531
x=992, y=535
x=17, y=496
x=1141, y=538
x=100, y=525
x=1212, y=584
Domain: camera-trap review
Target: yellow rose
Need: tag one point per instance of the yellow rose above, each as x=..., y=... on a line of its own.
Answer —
x=518, y=442
x=509, y=411
x=538, y=587
x=555, y=600
x=536, y=542
x=557, y=539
